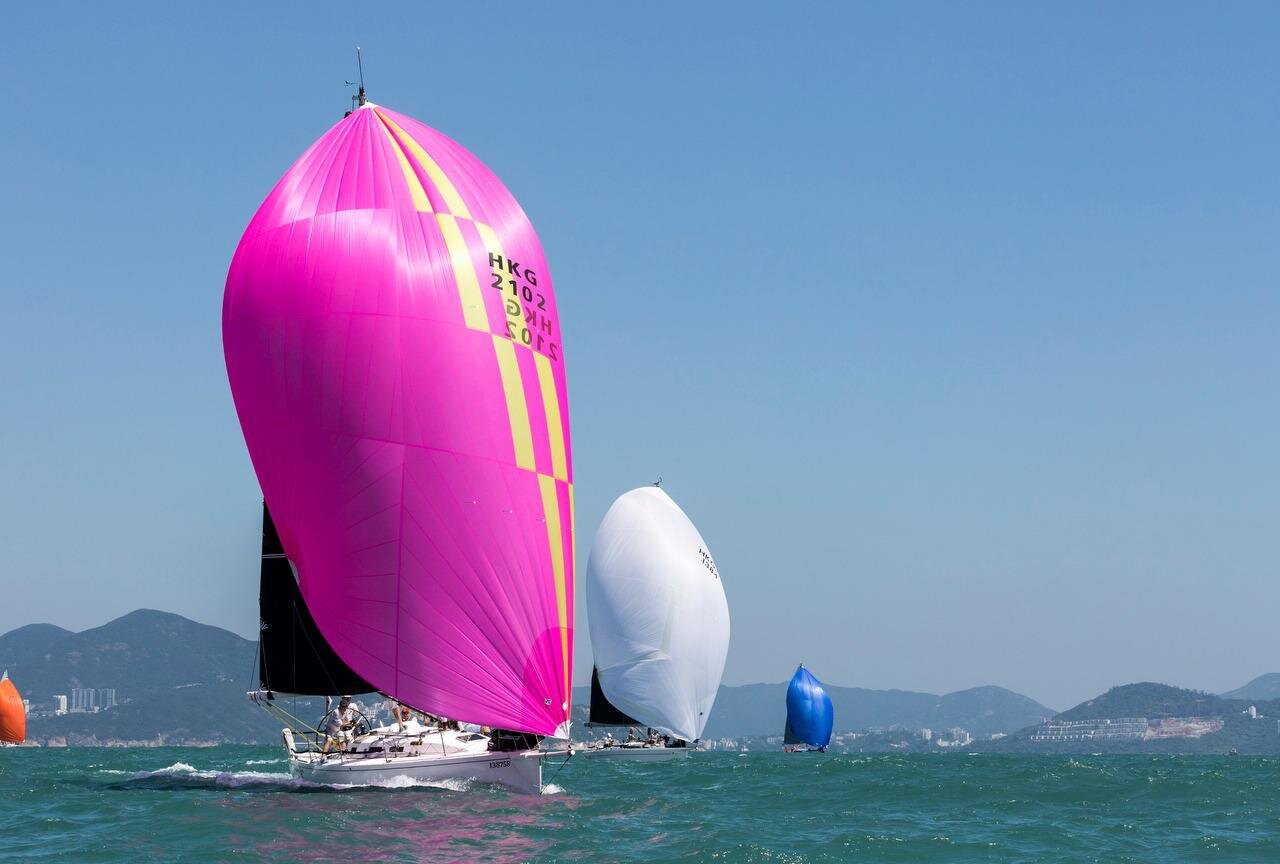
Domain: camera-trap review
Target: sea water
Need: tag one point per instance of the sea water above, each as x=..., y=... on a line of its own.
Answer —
x=239, y=804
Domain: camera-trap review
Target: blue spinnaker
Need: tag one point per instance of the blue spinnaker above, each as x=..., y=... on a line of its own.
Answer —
x=809, y=713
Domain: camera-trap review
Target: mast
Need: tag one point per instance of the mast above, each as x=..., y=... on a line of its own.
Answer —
x=359, y=100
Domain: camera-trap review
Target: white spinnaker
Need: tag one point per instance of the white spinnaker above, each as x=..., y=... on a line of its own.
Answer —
x=657, y=614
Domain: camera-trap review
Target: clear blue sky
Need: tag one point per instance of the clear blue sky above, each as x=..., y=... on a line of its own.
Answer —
x=955, y=329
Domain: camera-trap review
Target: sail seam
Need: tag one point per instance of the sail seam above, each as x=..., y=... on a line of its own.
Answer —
x=417, y=191
x=439, y=179
x=399, y=566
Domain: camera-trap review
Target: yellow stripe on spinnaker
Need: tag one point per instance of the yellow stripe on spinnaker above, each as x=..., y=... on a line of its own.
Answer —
x=464, y=273
x=573, y=538
x=452, y=200
x=474, y=314
x=517, y=407
x=420, y=200
x=510, y=303
x=551, y=404
x=551, y=510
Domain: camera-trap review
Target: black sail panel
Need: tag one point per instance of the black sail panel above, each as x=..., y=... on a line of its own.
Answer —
x=292, y=655
x=603, y=712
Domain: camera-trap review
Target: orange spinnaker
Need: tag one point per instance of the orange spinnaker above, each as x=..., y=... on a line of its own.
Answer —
x=13, y=720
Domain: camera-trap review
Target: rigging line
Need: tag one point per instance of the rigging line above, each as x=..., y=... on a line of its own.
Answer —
x=260, y=655
x=572, y=753
x=314, y=650
x=257, y=650
x=292, y=719
x=295, y=724
x=264, y=674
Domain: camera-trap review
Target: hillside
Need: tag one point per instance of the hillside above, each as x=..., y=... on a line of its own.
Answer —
x=1175, y=724
x=1148, y=699
x=33, y=640
x=177, y=680
x=1262, y=688
x=760, y=710
x=181, y=681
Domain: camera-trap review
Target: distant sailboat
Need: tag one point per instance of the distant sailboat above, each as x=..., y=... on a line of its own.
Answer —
x=13, y=717
x=393, y=346
x=659, y=625
x=810, y=717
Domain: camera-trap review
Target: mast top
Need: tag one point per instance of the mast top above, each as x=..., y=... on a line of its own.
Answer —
x=360, y=99
x=360, y=66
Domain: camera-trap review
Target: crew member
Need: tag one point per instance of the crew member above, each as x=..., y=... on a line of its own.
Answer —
x=341, y=721
x=402, y=714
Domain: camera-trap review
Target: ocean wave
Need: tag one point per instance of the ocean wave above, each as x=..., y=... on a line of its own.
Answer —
x=180, y=775
x=452, y=784
x=175, y=768
x=904, y=808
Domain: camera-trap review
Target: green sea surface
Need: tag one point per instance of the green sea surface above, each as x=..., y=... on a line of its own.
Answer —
x=239, y=804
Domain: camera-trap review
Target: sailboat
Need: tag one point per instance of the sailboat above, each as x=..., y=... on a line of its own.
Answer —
x=13, y=716
x=659, y=626
x=810, y=716
x=393, y=347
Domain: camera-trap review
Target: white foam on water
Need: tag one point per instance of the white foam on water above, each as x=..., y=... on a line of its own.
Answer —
x=174, y=769
x=552, y=789
x=182, y=772
x=240, y=779
x=453, y=784
x=264, y=761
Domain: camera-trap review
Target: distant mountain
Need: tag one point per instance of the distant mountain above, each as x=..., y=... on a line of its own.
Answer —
x=33, y=640
x=1177, y=720
x=1148, y=699
x=1261, y=688
x=178, y=681
x=183, y=682
x=760, y=709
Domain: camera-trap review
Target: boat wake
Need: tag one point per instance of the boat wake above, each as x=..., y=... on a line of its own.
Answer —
x=180, y=775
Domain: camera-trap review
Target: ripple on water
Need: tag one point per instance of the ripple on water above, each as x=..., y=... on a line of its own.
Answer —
x=229, y=804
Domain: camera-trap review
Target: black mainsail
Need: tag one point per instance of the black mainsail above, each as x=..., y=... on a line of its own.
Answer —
x=293, y=656
x=604, y=712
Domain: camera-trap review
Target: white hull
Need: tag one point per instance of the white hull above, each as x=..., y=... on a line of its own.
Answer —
x=384, y=756
x=648, y=753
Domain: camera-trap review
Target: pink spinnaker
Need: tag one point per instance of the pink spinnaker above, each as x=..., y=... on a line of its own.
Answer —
x=394, y=351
